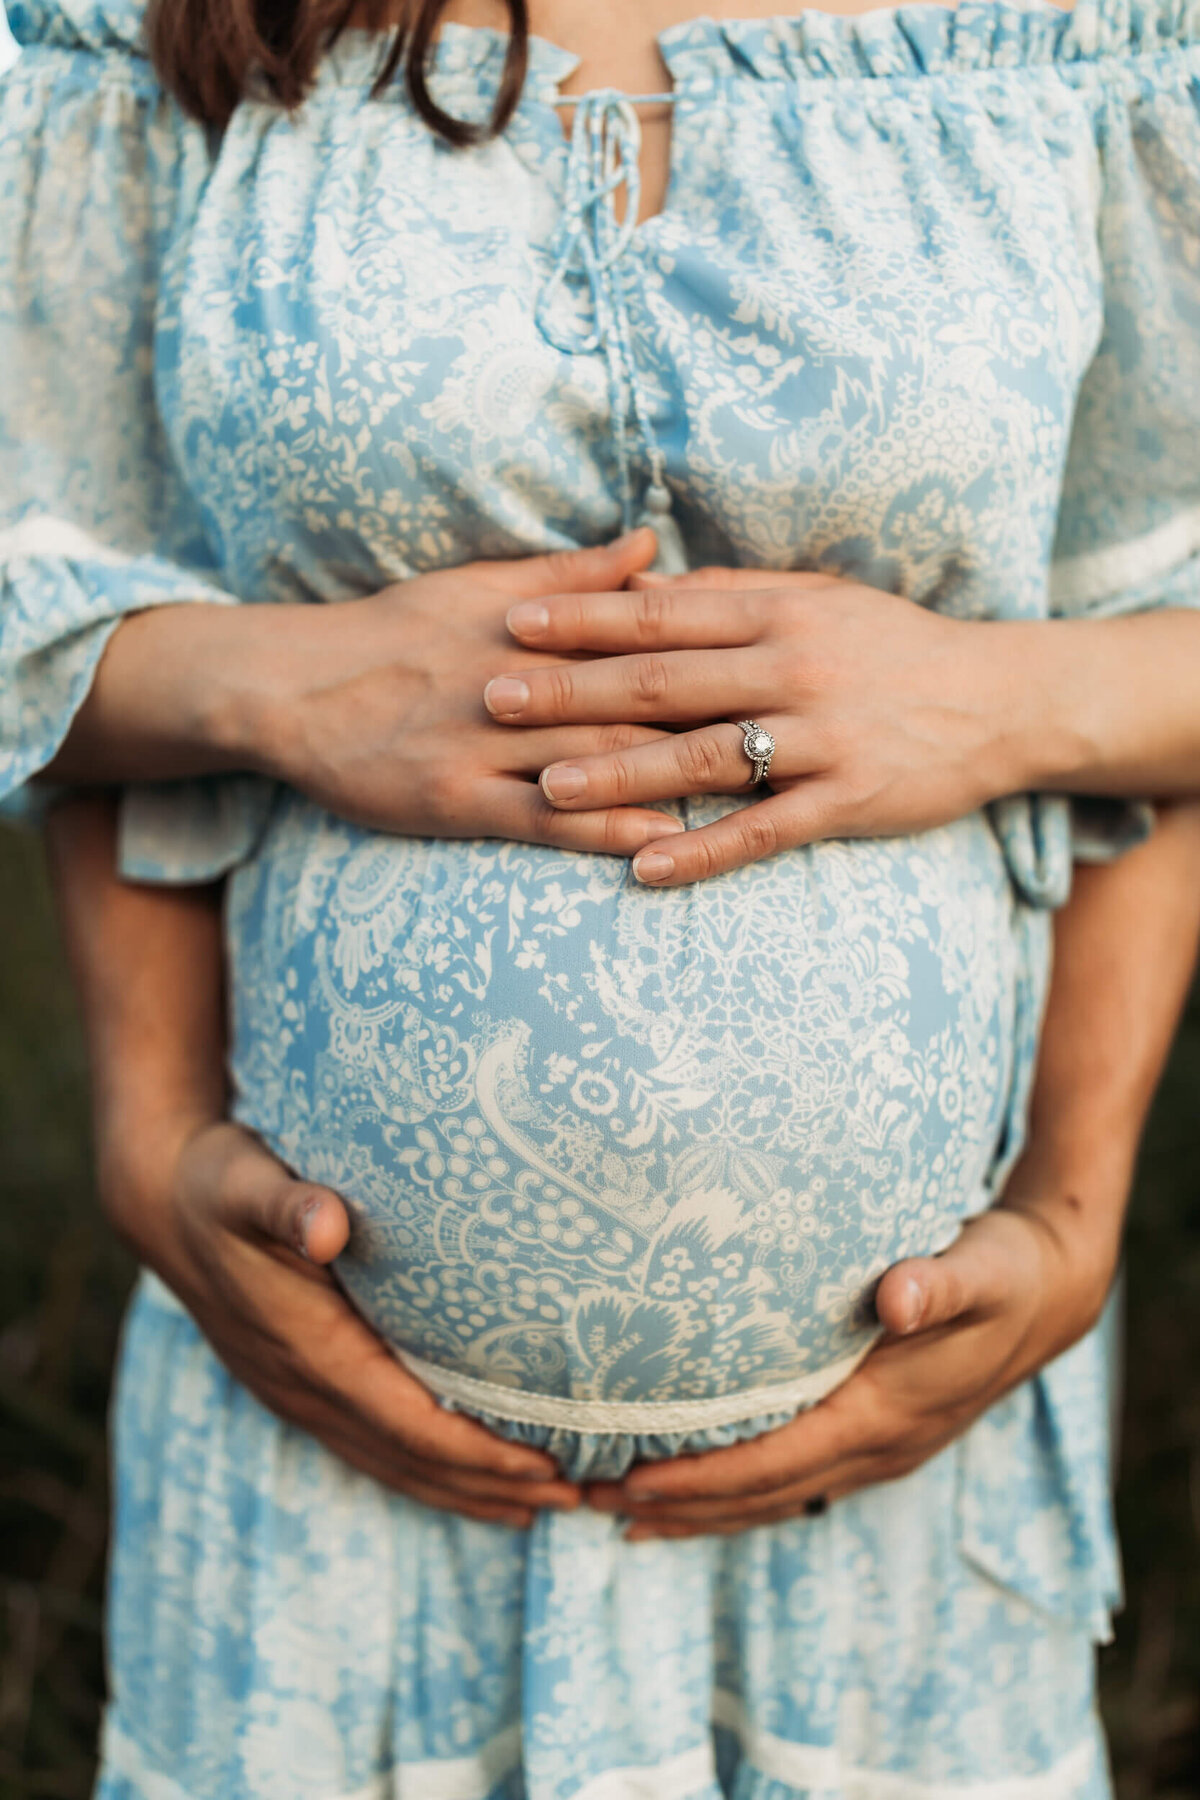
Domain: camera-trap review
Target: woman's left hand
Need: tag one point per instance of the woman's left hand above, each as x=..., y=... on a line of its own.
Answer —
x=1016, y=1289
x=887, y=717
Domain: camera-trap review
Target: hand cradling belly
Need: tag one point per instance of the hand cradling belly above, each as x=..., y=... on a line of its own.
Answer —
x=623, y=1147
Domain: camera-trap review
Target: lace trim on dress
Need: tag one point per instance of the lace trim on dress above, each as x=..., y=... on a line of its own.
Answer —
x=561, y=1412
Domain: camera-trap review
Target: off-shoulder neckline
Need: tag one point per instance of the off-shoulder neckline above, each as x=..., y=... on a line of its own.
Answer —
x=918, y=37
x=915, y=38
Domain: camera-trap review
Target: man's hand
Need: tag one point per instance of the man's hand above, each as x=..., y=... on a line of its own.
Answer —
x=962, y=1329
x=242, y=1242
x=244, y=1246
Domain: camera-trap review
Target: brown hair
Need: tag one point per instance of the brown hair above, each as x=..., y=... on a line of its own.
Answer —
x=209, y=53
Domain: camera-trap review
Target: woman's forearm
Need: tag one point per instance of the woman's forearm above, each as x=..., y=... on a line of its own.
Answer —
x=1086, y=706
x=1099, y=706
x=191, y=690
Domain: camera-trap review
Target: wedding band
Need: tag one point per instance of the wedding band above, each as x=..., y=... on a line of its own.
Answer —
x=759, y=746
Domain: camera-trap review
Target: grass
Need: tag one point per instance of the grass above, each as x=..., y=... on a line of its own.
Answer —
x=63, y=1283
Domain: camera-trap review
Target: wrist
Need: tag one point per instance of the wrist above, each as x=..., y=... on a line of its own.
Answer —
x=139, y=1145
x=1038, y=698
x=1075, y=1200
x=250, y=683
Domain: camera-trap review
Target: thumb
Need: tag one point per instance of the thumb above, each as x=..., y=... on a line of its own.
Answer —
x=235, y=1177
x=601, y=569
x=925, y=1291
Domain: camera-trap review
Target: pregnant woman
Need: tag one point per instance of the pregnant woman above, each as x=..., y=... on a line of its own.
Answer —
x=901, y=301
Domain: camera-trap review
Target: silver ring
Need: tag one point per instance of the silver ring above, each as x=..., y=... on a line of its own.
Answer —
x=759, y=746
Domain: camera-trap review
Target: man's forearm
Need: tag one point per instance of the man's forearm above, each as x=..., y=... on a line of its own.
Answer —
x=148, y=969
x=1125, y=948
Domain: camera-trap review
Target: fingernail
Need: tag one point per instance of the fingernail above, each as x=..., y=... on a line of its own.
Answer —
x=648, y=578
x=505, y=696
x=528, y=619
x=654, y=867
x=912, y=1306
x=563, y=781
x=628, y=537
x=301, y=1224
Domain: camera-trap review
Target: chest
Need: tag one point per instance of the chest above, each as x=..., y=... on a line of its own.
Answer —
x=854, y=332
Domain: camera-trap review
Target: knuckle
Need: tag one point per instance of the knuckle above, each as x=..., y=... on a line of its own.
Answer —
x=612, y=832
x=443, y=790
x=558, y=688
x=623, y=735
x=700, y=758
x=567, y=616
x=649, y=679
x=949, y=1296
x=560, y=566
x=651, y=611
x=758, y=833
x=706, y=857
x=620, y=778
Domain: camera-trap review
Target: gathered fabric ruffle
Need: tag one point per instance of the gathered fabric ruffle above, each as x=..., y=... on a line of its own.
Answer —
x=916, y=40
x=905, y=41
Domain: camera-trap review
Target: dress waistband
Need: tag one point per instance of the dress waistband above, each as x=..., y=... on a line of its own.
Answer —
x=561, y=1412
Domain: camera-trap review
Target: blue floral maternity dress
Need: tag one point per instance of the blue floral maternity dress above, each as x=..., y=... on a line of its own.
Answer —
x=923, y=307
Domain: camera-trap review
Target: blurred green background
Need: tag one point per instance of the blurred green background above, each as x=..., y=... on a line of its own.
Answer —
x=63, y=1281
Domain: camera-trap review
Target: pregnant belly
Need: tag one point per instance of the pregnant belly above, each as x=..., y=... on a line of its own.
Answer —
x=621, y=1147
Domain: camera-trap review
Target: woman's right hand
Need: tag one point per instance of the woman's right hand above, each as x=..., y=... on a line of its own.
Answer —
x=378, y=716
x=370, y=707
x=244, y=1245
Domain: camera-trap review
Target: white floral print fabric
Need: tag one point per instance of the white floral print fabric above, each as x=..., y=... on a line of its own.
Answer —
x=922, y=309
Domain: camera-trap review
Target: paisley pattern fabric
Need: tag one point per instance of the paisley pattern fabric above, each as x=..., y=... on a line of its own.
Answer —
x=622, y=1158
x=921, y=308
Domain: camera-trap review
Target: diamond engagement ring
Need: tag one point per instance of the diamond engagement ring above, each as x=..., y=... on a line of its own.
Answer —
x=759, y=746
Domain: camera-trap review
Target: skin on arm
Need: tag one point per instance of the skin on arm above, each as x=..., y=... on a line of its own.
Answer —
x=227, y=1227
x=1025, y=1280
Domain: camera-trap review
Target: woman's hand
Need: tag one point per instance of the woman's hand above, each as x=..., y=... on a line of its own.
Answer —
x=383, y=722
x=243, y=1244
x=961, y=1328
x=887, y=717
x=371, y=707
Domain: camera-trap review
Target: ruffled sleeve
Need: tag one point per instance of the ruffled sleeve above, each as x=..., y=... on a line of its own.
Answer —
x=96, y=169
x=1128, y=536
x=1129, y=529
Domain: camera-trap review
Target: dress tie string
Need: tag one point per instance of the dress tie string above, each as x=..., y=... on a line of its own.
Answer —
x=606, y=141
